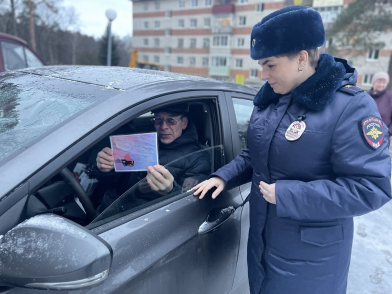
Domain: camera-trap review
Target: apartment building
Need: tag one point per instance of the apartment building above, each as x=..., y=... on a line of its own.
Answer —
x=367, y=62
x=212, y=37
x=200, y=37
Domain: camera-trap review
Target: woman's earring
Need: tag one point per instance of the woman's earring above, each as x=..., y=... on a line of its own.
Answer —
x=300, y=68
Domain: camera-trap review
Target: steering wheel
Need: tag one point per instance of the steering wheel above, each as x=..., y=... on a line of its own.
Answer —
x=81, y=194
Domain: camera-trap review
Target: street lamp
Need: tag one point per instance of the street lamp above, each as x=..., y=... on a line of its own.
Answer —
x=111, y=15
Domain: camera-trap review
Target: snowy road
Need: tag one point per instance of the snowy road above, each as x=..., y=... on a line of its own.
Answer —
x=371, y=261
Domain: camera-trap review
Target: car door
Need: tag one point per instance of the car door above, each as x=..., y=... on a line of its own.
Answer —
x=240, y=107
x=157, y=248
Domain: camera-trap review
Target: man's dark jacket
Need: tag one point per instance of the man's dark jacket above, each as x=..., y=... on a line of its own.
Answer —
x=176, y=157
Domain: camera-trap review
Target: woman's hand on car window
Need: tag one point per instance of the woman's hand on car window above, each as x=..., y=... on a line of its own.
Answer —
x=205, y=186
x=105, y=160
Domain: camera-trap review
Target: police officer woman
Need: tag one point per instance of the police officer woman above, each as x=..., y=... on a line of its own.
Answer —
x=317, y=155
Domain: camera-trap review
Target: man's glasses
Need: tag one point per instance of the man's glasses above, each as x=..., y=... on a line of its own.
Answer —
x=158, y=121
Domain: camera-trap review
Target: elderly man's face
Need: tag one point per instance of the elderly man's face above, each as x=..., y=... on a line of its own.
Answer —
x=380, y=85
x=169, y=127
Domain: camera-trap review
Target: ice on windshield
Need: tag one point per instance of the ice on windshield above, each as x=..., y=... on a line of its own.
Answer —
x=28, y=112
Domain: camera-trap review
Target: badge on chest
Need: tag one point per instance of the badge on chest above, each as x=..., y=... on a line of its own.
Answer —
x=296, y=129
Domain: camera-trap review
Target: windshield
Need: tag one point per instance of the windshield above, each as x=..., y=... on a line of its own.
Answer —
x=140, y=195
x=32, y=106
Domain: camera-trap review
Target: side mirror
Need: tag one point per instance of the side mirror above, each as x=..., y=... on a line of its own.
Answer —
x=50, y=252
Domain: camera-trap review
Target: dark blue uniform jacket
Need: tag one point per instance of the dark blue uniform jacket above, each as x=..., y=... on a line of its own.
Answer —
x=302, y=245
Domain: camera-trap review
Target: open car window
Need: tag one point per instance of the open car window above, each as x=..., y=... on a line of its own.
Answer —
x=188, y=171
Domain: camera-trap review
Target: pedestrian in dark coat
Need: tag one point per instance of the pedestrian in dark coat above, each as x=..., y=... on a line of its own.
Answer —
x=317, y=155
x=383, y=98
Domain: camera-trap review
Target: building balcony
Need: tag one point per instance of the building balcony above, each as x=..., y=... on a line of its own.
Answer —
x=222, y=30
x=219, y=71
x=223, y=8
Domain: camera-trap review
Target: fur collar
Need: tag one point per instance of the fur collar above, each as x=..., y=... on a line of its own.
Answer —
x=314, y=93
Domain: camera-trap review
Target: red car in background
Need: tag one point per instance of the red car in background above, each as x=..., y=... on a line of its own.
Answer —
x=15, y=53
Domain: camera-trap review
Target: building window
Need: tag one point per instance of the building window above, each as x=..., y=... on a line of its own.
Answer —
x=180, y=60
x=192, y=61
x=193, y=43
x=242, y=21
x=367, y=79
x=181, y=23
x=145, y=25
x=218, y=61
x=243, y=1
x=206, y=43
x=207, y=3
x=168, y=13
x=168, y=32
x=205, y=61
x=193, y=23
x=220, y=41
x=145, y=58
x=156, y=42
x=180, y=43
x=181, y=3
x=240, y=42
x=372, y=54
x=156, y=59
x=157, y=24
x=194, y=3
x=168, y=50
x=238, y=63
x=253, y=73
x=260, y=7
x=145, y=6
x=145, y=42
x=157, y=5
x=207, y=22
x=167, y=68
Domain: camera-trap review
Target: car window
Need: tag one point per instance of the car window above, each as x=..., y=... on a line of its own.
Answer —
x=243, y=109
x=33, y=110
x=32, y=60
x=188, y=171
x=13, y=56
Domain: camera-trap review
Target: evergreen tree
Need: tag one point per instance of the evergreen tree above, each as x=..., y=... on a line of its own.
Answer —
x=103, y=51
x=360, y=25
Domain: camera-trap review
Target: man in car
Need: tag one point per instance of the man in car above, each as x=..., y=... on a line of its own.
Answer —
x=177, y=137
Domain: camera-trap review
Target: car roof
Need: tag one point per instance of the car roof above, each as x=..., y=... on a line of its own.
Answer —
x=13, y=38
x=125, y=78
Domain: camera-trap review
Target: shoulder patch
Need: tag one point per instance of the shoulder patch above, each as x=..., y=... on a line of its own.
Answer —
x=351, y=90
x=372, y=130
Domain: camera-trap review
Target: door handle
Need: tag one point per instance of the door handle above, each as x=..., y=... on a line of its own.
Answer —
x=215, y=218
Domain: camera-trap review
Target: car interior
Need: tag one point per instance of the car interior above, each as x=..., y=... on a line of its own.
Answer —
x=67, y=193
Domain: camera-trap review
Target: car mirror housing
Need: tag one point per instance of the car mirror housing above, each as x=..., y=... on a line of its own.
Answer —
x=50, y=252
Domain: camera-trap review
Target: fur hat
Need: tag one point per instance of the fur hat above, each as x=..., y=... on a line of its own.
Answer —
x=380, y=75
x=176, y=109
x=288, y=30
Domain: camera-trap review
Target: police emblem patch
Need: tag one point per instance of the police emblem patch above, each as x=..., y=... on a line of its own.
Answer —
x=373, y=131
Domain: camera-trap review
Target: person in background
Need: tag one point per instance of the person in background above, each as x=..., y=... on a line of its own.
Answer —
x=317, y=156
x=383, y=98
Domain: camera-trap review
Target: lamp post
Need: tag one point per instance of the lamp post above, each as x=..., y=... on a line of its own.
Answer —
x=111, y=15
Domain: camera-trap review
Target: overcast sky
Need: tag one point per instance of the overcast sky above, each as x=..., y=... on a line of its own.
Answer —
x=93, y=19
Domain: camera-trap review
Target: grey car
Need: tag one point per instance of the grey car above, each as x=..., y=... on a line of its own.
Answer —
x=53, y=121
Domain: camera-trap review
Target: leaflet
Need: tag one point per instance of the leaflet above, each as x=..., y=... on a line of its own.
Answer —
x=134, y=152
